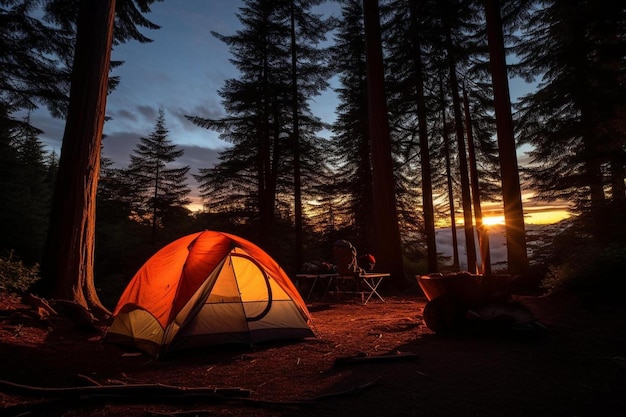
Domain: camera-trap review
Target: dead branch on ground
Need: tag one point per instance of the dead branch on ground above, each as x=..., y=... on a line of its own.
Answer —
x=362, y=359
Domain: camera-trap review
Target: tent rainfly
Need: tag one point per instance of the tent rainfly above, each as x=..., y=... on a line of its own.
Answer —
x=208, y=288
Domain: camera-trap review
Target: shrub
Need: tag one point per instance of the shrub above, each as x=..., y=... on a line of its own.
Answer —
x=592, y=270
x=15, y=277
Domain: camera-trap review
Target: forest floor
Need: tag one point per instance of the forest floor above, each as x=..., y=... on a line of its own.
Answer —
x=576, y=367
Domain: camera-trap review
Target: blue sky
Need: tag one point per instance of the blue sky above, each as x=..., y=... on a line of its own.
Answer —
x=180, y=71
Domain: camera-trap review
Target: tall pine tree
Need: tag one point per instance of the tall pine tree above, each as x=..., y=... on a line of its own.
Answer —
x=309, y=74
x=351, y=156
x=160, y=188
x=574, y=119
x=387, y=241
x=245, y=180
x=275, y=148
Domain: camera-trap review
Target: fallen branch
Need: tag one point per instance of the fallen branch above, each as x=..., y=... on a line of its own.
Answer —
x=250, y=401
x=89, y=379
x=43, y=308
x=69, y=310
x=63, y=398
x=134, y=390
x=179, y=413
x=354, y=390
x=360, y=359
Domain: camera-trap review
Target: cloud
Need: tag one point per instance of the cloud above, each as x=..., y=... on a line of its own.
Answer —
x=148, y=112
x=124, y=114
x=53, y=129
x=118, y=147
x=523, y=159
x=138, y=117
x=198, y=157
x=210, y=110
x=497, y=245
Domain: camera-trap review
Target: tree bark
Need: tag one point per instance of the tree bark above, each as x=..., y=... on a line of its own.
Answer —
x=266, y=183
x=67, y=266
x=483, y=233
x=387, y=241
x=618, y=194
x=446, y=144
x=427, y=187
x=297, y=192
x=466, y=202
x=511, y=189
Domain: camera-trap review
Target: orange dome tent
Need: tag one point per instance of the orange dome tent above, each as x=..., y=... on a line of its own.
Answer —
x=208, y=288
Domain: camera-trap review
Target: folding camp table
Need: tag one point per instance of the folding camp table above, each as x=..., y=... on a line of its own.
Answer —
x=317, y=278
x=372, y=280
x=366, y=283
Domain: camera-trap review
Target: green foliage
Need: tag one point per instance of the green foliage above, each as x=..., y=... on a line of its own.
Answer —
x=34, y=62
x=26, y=179
x=350, y=152
x=585, y=267
x=256, y=176
x=159, y=190
x=414, y=266
x=15, y=277
x=574, y=119
x=253, y=183
x=37, y=43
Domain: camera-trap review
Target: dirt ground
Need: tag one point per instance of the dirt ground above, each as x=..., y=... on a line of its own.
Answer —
x=576, y=367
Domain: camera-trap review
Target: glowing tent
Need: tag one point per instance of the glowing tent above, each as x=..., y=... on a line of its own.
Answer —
x=208, y=288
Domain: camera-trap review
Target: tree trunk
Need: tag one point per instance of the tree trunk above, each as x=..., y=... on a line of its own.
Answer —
x=468, y=221
x=387, y=241
x=446, y=145
x=265, y=185
x=297, y=194
x=271, y=178
x=511, y=190
x=595, y=180
x=155, y=210
x=427, y=187
x=591, y=154
x=68, y=261
x=483, y=233
x=618, y=195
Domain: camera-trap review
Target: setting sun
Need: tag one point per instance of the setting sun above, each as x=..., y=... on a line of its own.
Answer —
x=493, y=220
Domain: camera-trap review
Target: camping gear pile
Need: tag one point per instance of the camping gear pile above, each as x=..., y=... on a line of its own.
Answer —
x=458, y=300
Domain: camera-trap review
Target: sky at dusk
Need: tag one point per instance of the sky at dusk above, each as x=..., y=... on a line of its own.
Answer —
x=180, y=71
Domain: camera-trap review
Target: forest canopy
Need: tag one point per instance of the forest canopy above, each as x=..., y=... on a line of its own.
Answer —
x=281, y=183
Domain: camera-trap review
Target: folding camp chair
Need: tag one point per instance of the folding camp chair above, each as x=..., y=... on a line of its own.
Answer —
x=348, y=270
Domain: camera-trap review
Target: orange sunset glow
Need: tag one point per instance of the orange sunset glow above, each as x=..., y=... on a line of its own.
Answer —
x=533, y=215
x=493, y=220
